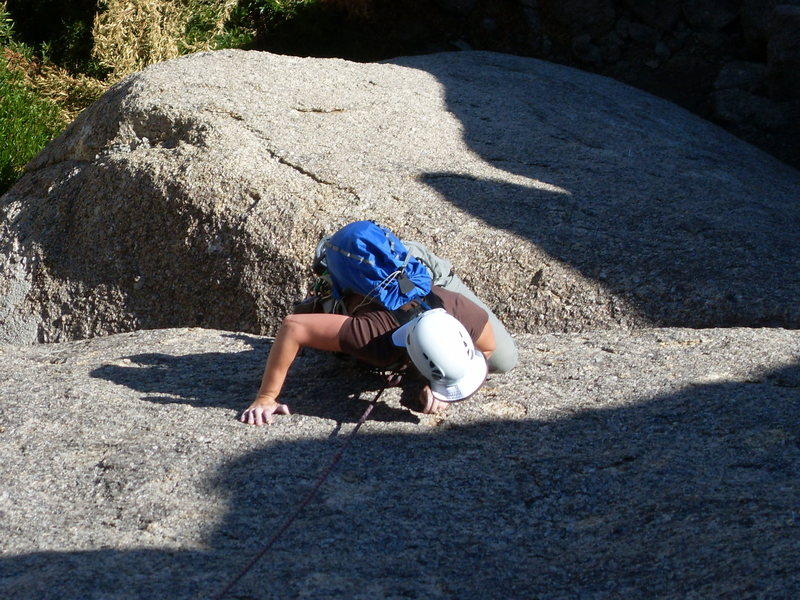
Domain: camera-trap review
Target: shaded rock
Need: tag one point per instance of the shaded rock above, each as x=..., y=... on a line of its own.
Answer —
x=711, y=14
x=193, y=193
x=783, y=52
x=741, y=107
x=622, y=26
x=654, y=463
x=662, y=51
x=585, y=50
x=458, y=7
x=755, y=17
x=743, y=75
x=662, y=15
x=610, y=47
x=574, y=17
x=643, y=34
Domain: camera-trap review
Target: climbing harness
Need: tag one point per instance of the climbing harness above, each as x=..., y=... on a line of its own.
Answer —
x=306, y=501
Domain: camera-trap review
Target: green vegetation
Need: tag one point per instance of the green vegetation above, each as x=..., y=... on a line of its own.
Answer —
x=56, y=31
x=57, y=57
x=27, y=121
x=217, y=25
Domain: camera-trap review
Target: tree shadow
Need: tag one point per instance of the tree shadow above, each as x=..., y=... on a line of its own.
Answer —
x=693, y=494
x=692, y=226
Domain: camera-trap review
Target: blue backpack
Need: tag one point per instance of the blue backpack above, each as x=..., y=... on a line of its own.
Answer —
x=368, y=259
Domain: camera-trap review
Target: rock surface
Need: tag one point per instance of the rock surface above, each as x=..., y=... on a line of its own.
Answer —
x=671, y=48
x=661, y=463
x=192, y=193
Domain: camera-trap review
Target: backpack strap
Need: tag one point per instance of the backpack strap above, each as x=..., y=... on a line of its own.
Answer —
x=417, y=307
x=366, y=258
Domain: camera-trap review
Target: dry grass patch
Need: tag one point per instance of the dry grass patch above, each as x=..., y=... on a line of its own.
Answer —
x=72, y=93
x=132, y=34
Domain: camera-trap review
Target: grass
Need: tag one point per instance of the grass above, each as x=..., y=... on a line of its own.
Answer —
x=27, y=123
x=132, y=34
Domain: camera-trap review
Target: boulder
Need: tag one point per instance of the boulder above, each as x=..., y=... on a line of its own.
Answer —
x=659, y=14
x=458, y=7
x=568, y=18
x=647, y=464
x=756, y=16
x=783, y=52
x=711, y=14
x=193, y=193
x=743, y=75
x=743, y=108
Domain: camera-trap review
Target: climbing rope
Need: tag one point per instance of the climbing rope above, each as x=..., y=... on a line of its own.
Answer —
x=306, y=501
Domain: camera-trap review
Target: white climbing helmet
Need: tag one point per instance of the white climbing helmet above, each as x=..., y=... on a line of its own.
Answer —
x=443, y=352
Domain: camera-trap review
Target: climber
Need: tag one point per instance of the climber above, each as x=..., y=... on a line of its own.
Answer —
x=383, y=305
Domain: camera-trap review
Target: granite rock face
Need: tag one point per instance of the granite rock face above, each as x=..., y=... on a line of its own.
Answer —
x=193, y=193
x=661, y=463
x=617, y=460
x=671, y=48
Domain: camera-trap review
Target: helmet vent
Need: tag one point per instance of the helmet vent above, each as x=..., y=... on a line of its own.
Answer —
x=436, y=372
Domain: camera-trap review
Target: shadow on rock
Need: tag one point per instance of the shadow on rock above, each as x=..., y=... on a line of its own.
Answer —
x=693, y=227
x=689, y=495
x=326, y=383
